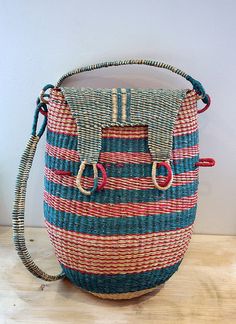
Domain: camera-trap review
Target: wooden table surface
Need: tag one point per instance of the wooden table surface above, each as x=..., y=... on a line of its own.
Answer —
x=203, y=290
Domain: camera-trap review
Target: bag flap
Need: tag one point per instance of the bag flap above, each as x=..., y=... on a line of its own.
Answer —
x=94, y=109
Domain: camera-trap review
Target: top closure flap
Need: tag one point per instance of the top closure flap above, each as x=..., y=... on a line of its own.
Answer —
x=94, y=109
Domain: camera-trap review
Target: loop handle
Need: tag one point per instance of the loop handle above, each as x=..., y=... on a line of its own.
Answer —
x=196, y=84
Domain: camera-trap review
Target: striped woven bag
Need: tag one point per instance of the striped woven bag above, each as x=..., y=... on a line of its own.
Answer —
x=121, y=181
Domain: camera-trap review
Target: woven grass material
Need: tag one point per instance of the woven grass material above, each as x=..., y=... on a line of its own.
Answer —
x=128, y=295
x=94, y=109
x=130, y=237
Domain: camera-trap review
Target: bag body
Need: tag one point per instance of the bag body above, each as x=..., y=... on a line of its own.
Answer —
x=129, y=236
x=121, y=182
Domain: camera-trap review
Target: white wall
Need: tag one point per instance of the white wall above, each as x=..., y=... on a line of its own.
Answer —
x=40, y=40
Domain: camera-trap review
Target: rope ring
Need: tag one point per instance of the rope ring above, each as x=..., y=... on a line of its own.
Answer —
x=208, y=100
x=43, y=107
x=79, y=176
x=104, y=176
x=169, y=179
x=43, y=95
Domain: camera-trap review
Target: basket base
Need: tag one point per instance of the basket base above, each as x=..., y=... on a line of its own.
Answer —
x=127, y=295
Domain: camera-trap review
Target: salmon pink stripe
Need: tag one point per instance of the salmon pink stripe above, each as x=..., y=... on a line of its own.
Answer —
x=62, y=153
x=83, y=257
x=116, y=266
x=125, y=157
x=58, y=122
x=116, y=240
x=186, y=152
x=62, y=128
x=105, y=269
x=121, y=209
x=70, y=121
x=98, y=245
x=107, y=272
x=67, y=243
x=60, y=110
x=121, y=183
x=120, y=157
x=100, y=259
x=125, y=132
x=71, y=130
x=125, y=251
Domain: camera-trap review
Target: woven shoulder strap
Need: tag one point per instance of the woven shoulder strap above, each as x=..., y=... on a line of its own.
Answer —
x=19, y=203
x=196, y=84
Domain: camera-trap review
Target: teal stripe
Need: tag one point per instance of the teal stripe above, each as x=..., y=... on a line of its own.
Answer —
x=128, y=91
x=111, y=284
x=119, y=225
x=128, y=170
x=117, y=196
x=119, y=103
x=120, y=145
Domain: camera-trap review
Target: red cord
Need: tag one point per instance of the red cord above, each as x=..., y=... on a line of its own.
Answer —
x=61, y=172
x=169, y=173
x=206, y=106
x=45, y=113
x=104, y=176
x=205, y=162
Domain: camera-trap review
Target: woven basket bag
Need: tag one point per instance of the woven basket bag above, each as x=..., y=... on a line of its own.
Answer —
x=121, y=182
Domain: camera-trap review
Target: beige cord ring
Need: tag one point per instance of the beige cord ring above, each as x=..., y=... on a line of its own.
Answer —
x=168, y=182
x=79, y=176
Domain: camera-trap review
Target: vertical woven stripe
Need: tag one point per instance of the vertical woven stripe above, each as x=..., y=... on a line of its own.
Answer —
x=128, y=103
x=124, y=100
x=119, y=105
x=114, y=105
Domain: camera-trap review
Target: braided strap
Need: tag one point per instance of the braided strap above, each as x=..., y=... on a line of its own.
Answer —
x=19, y=203
x=196, y=84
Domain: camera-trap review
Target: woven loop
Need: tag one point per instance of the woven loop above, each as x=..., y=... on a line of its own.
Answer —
x=40, y=107
x=104, y=176
x=208, y=103
x=196, y=84
x=41, y=110
x=169, y=179
x=43, y=94
x=79, y=176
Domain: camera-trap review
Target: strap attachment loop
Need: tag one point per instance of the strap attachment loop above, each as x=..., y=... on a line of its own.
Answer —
x=169, y=179
x=205, y=162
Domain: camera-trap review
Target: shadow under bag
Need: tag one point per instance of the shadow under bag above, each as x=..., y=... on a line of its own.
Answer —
x=121, y=182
